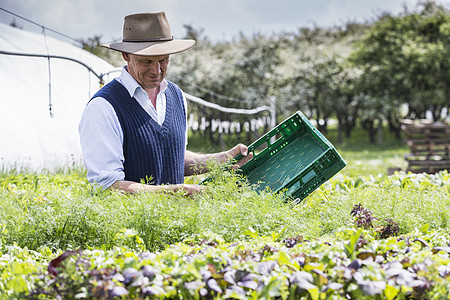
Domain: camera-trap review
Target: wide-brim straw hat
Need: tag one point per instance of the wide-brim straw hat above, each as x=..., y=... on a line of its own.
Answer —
x=149, y=34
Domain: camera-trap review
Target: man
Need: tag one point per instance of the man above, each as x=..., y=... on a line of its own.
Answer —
x=135, y=127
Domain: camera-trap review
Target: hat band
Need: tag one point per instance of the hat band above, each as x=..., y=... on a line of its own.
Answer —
x=148, y=40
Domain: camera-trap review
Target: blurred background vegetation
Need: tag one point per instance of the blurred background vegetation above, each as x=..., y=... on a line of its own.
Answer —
x=356, y=81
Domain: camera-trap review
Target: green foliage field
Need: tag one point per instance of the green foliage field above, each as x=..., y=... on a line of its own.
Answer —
x=185, y=240
x=66, y=212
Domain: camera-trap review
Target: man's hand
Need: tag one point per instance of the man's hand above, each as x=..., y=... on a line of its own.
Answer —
x=239, y=149
x=191, y=189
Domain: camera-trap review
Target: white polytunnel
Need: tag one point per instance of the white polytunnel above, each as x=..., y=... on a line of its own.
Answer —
x=42, y=98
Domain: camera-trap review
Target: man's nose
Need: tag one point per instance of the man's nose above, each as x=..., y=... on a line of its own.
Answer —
x=155, y=67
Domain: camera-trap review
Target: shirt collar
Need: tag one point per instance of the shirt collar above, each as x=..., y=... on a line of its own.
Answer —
x=133, y=86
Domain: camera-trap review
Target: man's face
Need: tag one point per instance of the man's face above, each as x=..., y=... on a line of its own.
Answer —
x=149, y=71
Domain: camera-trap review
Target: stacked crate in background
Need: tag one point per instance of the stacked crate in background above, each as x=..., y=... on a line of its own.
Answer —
x=429, y=145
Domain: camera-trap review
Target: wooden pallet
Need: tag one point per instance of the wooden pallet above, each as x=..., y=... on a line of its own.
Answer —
x=429, y=145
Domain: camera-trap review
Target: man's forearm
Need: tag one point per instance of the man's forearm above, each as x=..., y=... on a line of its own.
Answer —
x=132, y=187
x=135, y=187
x=196, y=163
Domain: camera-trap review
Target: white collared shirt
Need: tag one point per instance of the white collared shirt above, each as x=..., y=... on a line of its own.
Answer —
x=101, y=134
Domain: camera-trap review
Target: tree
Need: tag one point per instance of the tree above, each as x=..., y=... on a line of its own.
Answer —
x=405, y=61
x=93, y=45
x=347, y=99
x=322, y=85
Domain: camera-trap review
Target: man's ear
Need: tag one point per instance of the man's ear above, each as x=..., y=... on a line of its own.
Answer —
x=126, y=56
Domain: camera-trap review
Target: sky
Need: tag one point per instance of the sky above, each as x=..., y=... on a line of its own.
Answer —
x=219, y=20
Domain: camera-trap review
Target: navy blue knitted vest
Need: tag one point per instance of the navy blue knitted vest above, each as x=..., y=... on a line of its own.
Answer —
x=153, y=153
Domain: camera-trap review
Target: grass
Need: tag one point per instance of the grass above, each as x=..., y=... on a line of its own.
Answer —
x=365, y=158
x=47, y=211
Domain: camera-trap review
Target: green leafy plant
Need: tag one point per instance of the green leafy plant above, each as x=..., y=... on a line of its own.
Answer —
x=364, y=218
x=228, y=242
x=393, y=267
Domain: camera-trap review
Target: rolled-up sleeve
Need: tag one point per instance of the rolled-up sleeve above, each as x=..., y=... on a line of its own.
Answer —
x=101, y=140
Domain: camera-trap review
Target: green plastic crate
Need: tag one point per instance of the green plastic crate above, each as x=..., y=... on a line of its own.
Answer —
x=298, y=161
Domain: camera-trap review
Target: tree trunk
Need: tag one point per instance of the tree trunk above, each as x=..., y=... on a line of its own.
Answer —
x=339, y=136
x=393, y=127
x=380, y=131
x=369, y=126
